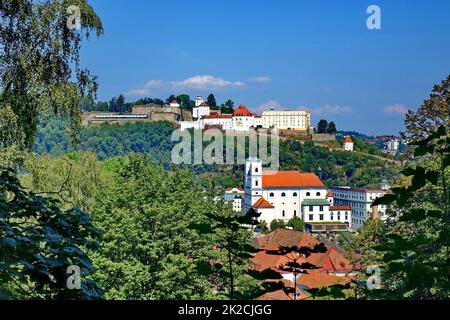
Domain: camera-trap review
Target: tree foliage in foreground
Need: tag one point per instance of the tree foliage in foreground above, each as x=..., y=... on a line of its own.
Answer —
x=40, y=70
x=39, y=241
x=416, y=253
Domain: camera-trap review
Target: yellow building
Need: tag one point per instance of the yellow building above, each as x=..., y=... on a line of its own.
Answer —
x=286, y=120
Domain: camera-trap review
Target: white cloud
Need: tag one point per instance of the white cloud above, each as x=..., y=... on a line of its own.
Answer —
x=262, y=79
x=206, y=82
x=200, y=82
x=395, y=109
x=268, y=105
x=330, y=110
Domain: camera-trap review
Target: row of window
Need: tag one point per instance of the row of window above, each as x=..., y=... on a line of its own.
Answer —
x=321, y=217
x=283, y=194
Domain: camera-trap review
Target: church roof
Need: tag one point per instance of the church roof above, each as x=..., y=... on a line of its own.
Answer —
x=262, y=204
x=291, y=179
x=242, y=111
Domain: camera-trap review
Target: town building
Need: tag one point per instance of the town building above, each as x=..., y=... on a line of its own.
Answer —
x=200, y=110
x=241, y=119
x=283, y=195
x=286, y=120
x=360, y=201
x=348, y=144
x=391, y=146
x=235, y=196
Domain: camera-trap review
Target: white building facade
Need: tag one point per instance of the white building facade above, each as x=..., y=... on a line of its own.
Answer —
x=283, y=195
x=286, y=120
x=241, y=119
x=201, y=110
x=360, y=201
x=348, y=144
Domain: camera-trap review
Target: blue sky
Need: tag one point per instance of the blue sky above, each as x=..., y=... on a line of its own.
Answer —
x=286, y=54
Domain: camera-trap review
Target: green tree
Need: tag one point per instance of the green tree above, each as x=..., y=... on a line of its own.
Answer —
x=39, y=241
x=185, y=101
x=433, y=113
x=296, y=224
x=322, y=126
x=148, y=211
x=227, y=107
x=40, y=70
x=211, y=100
x=231, y=237
x=331, y=128
x=416, y=252
x=276, y=224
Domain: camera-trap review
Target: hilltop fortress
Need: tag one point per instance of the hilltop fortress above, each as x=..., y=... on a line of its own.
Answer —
x=141, y=113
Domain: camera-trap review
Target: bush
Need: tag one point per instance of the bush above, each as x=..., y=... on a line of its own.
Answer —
x=276, y=224
x=297, y=224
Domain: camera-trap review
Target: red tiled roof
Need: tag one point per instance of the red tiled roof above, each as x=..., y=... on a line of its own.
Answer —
x=204, y=104
x=329, y=262
x=217, y=116
x=285, y=238
x=263, y=261
x=329, y=194
x=348, y=139
x=275, y=295
x=291, y=179
x=317, y=280
x=335, y=208
x=174, y=101
x=242, y=111
x=262, y=204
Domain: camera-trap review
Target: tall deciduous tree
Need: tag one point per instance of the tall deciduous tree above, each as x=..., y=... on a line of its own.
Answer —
x=433, y=113
x=40, y=70
x=416, y=253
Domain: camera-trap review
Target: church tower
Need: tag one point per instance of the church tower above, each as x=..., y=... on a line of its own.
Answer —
x=253, y=182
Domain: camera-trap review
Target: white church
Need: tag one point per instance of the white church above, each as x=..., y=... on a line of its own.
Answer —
x=282, y=195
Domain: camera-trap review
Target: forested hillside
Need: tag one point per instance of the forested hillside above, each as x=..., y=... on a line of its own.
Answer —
x=154, y=140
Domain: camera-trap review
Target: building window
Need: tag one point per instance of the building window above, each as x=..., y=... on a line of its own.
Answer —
x=271, y=194
x=331, y=217
x=295, y=213
x=308, y=194
x=256, y=182
x=283, y=213
x=295, y=194
x=256, y=170
x=321, y=208
x=318, y=194
x=311, y=217
x=283, y=194
x=321, y=217
x=311, y=208
x=346, y=217
x=339, y=217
